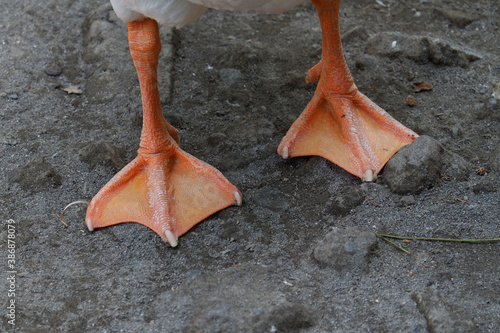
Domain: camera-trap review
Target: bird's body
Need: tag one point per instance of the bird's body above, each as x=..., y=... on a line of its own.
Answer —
x=177, y=13
x=170, y=191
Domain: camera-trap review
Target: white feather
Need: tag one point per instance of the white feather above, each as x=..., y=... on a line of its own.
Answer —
x=177, y=13
x=174, y=13
x=266, y=6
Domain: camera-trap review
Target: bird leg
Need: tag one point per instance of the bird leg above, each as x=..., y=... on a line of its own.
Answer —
x=340, y=123
x=163, y=188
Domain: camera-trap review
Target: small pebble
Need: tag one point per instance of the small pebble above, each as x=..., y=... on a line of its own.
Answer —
x=53, y=70
x=407, y=200
x=346, y=249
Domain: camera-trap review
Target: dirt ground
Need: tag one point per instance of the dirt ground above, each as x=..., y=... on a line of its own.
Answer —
x=300, y=254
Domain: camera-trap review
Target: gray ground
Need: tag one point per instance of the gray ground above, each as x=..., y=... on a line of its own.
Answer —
x=300, y=255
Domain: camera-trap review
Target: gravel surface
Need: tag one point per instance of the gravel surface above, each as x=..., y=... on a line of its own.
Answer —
x=301, y=254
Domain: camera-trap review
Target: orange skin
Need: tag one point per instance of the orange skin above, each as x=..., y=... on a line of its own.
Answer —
x=170, y=191
x=163, y=188
x=339, y=123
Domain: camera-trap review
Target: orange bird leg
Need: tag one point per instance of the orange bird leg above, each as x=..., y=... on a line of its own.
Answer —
x=340, y=123
x=163, y=188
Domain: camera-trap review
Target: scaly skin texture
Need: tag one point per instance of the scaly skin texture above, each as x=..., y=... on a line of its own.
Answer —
x=339, y=123
x=163, y=188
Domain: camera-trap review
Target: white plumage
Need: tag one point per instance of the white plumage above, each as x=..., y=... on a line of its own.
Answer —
x=177, y=13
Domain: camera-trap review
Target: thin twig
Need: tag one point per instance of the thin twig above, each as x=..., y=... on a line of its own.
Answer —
x=69, y=205
x=461, y=240
x=465, y=240
x=392, y=243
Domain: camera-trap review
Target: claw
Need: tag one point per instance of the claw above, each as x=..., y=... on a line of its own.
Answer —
x=284, y=153
x=89, y=225
x=172, y=239
x=368, y=176
x=238, y=199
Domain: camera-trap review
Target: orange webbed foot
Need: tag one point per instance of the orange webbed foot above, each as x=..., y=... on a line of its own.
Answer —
x=163, y=188
x=168, y=194
x=348, y=130
x=339, y=123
